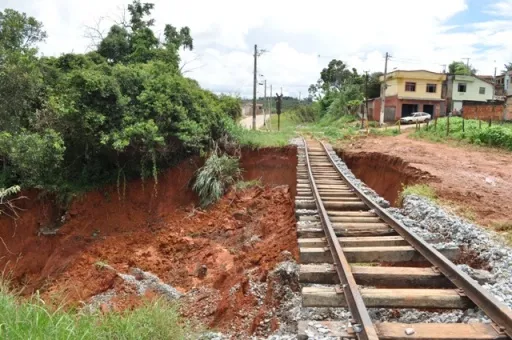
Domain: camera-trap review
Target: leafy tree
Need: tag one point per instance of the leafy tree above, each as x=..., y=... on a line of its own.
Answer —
x=20, y=79
x=339, y=90
x=136, y=41
x=19, y=33
x=374, y=85
x=508, y=67
x=336, y=75
x=459, y=68
x=116, y=45
x=82, y=120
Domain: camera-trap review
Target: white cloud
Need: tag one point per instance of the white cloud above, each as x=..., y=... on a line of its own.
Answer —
x=418, y=34
x=500, y=8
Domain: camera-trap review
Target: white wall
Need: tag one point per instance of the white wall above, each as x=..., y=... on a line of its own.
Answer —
x=473, y=86
x=457, y=105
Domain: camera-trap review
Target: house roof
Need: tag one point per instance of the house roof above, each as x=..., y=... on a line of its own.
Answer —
x=415, y=71
x=484, y=79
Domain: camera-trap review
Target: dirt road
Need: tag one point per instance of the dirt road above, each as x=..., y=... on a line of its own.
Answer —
x=477, y=179
x=247, y=122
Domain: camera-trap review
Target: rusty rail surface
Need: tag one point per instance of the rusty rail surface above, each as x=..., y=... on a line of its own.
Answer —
x=364, y=326
x=498, y=312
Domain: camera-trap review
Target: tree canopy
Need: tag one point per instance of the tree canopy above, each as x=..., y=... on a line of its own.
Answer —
x=508, y=67
x=459, y=68
x=341, y=90
x=81, y=120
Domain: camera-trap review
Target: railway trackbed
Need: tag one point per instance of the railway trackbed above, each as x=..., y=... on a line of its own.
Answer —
x=354, y=254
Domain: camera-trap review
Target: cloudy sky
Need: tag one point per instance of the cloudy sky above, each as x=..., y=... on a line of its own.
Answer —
x=300, y=37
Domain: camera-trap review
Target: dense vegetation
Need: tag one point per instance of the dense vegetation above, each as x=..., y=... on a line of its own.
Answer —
x=341, y=91
x=32, y=319
x=80, y=120
x=475, y=132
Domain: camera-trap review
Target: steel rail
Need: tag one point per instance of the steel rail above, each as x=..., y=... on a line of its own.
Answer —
x=355, y=302
x=498, y=312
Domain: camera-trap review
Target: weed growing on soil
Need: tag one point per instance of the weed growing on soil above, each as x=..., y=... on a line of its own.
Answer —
x=243, y=185
x=32, y=319
x=215, y=177
x=423, y=190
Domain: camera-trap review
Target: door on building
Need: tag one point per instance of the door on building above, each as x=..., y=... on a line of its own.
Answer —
x=429, y=109
x=409, y=109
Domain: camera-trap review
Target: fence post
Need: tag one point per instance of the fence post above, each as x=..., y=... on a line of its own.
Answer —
x=435, y=124
x=399, y=126
x=427, y=124
x=490, y=122
x=480, y=124
x=447, y=125
x=463, y=120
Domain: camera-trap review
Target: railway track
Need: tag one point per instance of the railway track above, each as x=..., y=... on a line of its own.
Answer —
x=354, y=254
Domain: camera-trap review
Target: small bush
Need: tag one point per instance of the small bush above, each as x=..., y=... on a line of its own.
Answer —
x=33, y=319
x=215, y=177
x=305, y=113
x=242, y=185
x=423, y=190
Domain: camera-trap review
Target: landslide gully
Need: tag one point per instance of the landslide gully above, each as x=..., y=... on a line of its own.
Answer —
x=166, y=235
x=384, y=173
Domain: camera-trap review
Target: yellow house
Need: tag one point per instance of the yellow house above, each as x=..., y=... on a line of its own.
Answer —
x=412, y=91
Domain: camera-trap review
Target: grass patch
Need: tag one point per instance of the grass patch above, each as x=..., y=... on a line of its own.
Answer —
x=423, y=190
x=474, y=132
x=33, y=319
x=326, y=128
x=267, y=136
x=243, y=185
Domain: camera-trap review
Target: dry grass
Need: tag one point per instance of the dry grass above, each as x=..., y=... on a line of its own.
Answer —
x=504, y=228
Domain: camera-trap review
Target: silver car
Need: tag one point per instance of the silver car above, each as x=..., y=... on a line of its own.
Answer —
x=417, y=117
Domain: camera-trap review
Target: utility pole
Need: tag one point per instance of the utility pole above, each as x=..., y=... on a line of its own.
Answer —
x=270, y=108
x=264, y=110
x=383, y=92
x=467, y=65
x=366, y=99
x=255, y=83
x=279, y=99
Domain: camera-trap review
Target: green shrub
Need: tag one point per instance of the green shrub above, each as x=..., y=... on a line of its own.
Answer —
x=215, y=177
x=33, y=319
x=475, y=132
x=304, y=113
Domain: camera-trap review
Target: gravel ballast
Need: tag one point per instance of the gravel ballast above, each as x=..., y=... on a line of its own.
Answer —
x=443, y=229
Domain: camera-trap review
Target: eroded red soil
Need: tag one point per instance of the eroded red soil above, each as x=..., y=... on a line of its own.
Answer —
x=240, y=238
x=478, y=180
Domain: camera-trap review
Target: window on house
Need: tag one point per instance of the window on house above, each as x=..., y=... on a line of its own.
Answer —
x=410, y=87
x=462, y=87
x=482, y=90
x=431, y=88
